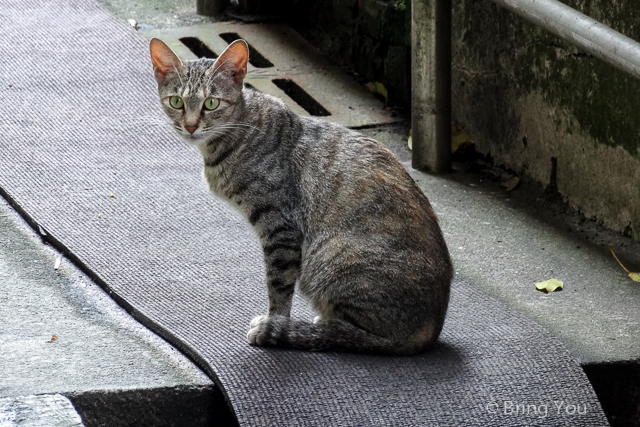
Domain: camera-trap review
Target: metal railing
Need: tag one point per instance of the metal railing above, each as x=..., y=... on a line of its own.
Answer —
x=431, y=64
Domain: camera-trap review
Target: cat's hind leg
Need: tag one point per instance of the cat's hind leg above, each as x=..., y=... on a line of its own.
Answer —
x=333, y=334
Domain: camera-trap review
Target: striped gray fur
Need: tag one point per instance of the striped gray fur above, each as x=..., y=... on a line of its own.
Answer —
x=336, y=213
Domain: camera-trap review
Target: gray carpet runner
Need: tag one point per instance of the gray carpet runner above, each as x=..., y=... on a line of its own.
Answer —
x=85, y=154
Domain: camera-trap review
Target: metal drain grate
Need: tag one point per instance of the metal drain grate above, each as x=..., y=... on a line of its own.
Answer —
x=198, y=48
x=255, y=58
x=301, y=97
x=294, y=71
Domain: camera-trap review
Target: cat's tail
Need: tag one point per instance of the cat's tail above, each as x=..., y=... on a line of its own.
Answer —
x=335, y=334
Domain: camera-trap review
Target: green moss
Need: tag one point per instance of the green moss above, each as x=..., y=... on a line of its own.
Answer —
x=604, y=101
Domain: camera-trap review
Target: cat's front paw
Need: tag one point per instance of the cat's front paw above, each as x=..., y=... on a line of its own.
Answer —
x=254, y=329
x=257, y=320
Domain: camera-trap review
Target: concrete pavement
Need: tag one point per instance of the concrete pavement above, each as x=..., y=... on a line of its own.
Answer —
x=63, y=335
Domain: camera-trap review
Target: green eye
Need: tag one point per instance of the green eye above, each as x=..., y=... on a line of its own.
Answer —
x=211, y=103
x=176, y=102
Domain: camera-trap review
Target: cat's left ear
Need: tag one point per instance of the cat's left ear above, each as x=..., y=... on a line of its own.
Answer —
x=234, y=60
x=164, y=60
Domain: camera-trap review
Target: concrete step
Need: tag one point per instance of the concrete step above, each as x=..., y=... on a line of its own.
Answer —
x=62, y=335
x=38, y=411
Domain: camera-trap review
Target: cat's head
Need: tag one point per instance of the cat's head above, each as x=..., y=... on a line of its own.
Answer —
x=200, y=97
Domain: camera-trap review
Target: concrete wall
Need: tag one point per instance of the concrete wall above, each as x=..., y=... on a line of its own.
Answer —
x=549, y=112
x=535, y=104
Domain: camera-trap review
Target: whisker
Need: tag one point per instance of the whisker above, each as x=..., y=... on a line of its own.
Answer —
x=216, y=134
x=239, y=125
x=247, y=125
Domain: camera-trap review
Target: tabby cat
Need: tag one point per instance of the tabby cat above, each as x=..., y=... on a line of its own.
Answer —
x=336, y=213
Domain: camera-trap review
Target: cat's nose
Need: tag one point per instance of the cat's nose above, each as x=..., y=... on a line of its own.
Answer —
x=191, y=129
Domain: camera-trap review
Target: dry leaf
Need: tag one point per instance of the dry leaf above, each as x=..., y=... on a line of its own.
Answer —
x=459, y=139
x=53, y=339
x=550, y=285
x=511, y=184
x=377, y=87
x=634, y=276
x=112, y=196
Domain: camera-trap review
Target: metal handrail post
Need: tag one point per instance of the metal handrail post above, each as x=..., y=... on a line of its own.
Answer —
x=431, y=85
x=580, y=30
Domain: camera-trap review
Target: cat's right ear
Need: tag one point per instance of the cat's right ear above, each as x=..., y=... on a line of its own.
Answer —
x=164, y=60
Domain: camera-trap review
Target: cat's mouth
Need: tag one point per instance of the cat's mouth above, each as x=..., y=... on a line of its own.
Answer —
x=192, y=138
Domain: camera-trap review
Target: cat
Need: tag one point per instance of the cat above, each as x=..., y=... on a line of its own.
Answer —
x=335, y=212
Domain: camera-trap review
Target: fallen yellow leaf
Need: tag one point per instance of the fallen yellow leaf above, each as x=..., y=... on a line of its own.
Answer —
x=377, y=87
x=459, y=138
x=634, y=276
x=550, y=285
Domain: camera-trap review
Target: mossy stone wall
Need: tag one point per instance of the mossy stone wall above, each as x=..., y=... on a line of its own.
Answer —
x=534, y=103
x=547, y=111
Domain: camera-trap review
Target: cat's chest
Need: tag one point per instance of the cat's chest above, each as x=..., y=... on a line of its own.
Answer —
x=217, y=180
x=229, y=188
